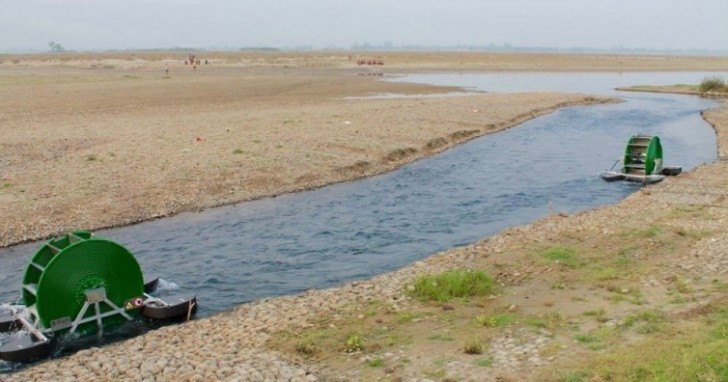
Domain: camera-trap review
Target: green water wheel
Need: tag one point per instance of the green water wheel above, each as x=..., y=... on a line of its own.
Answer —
x=643, y=155
x=64, y=269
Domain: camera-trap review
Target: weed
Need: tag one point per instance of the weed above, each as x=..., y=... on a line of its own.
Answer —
x=92, y=158
x=574, y=376
x=561, y=284
x=623, y=258
x=494, y=321
x=257, y=141
x=484, y=362
x=585, y=338
x=650, y=321
x=599, y=315
x=650, y=232
x=305, y=346
x=377, y=362
x=550, y=320
x=392, y=340
x=451, y=284
x=607, y=273
x=354, y=343
x=405, y=317
x=238, y=151
x=440, y=337
x=473, y=346
x=682, y=286
x=562, y=255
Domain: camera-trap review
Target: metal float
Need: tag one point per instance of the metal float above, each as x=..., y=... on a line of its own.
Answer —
x=80, y=283
x=642, y=162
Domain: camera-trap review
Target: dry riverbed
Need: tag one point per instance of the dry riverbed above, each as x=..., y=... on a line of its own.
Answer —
x=571, y=291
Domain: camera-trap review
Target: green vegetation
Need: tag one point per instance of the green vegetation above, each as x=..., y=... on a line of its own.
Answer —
x=646, y=322
x=473, y=346
x=405, y=317
x=440, y=337
x=713, y=84
x=484, y=362
x=238, y=151
x=445, y=286
x=354, y=343
x=494, y=321
x=691, y=352
x=550, y=320
x=565, y=256
x=377, y=362
x=309, y=342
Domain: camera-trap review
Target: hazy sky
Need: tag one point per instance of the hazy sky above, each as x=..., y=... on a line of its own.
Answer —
x=115, y=24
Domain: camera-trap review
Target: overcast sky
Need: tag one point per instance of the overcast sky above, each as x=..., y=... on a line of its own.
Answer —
x=27, y=25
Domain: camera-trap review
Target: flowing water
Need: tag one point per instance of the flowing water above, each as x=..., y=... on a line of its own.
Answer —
x=355, y=230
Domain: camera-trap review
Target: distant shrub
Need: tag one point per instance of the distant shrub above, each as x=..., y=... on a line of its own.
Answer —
x=713, y=84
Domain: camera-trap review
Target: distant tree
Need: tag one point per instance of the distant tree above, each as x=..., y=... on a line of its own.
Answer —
x=56, y=47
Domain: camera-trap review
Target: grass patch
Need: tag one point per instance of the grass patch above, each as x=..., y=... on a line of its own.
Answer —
x=624, y=257
x=550, y=320
x=440, y=337
x=473, y=346
x=377, y=362
x=649, y=232
x=494, y=321
x=354, y=343
x=310, y=342
x=565, y=256
x=599, y=315
x=606, y=274
x=484, y=362
x=238, y=151
x=687, y=352
x=646, y=322
x=445, y=286
x=560, y=284
x=586, y=338
x=406, y=317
